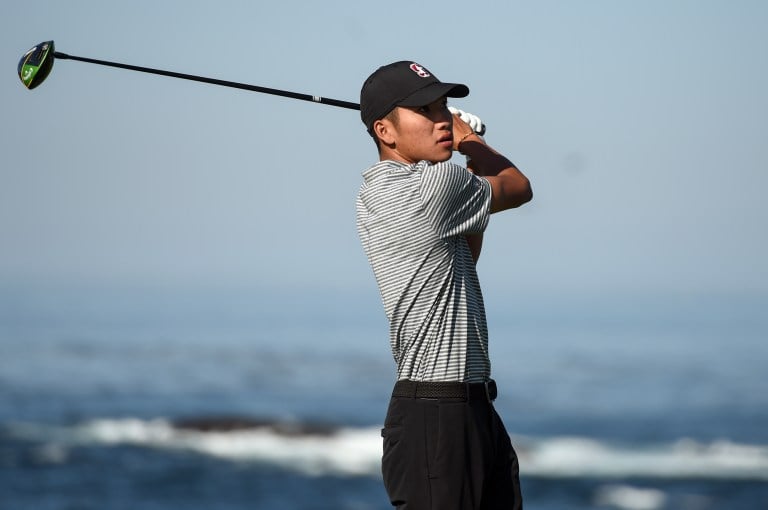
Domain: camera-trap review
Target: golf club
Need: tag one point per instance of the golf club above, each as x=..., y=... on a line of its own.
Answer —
x=36, y=65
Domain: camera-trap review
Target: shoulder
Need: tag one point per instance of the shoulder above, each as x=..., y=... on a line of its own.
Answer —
x=441, y=170
x=447, y=176
x=384, y=169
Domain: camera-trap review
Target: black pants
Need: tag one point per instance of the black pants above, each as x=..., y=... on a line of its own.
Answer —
x=448, y=454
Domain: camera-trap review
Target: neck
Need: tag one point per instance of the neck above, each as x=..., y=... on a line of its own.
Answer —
x=388, y=153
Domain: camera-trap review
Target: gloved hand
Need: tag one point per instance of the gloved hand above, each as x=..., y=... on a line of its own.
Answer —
x=473, y=120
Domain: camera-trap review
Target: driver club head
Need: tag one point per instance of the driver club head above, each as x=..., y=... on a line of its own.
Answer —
x=36, y=64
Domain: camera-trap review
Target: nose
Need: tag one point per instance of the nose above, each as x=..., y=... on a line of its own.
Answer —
x=444, y=115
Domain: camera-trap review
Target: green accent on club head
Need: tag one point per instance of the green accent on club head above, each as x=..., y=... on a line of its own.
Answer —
x=36, y=64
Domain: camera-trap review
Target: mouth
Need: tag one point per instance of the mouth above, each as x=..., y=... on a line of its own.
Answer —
x=445, y=141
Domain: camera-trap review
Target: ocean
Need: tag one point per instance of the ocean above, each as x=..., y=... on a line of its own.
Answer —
x=170, y=399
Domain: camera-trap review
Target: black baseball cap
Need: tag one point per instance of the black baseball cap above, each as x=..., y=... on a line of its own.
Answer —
x=403, y=83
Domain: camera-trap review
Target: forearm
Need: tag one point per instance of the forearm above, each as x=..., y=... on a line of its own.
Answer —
x=510, y=188
x=482, y=159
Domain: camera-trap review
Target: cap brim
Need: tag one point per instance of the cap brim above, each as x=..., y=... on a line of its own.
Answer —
x=433, y=92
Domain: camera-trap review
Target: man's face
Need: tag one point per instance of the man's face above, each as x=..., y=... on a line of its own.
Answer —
x=423, y=133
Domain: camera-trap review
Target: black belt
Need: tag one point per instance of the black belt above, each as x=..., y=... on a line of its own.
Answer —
x=466, y=391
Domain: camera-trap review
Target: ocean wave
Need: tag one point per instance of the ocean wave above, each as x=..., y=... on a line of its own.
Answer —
x=627, y=497
x=321, y=449
x=565, y=457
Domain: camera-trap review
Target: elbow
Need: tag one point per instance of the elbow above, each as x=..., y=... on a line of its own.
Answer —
x=510, y=191
x=521, y=194
x=513, y=197
x=526, y=193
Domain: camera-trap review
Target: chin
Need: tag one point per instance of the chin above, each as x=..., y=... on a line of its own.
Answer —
x=440, y=157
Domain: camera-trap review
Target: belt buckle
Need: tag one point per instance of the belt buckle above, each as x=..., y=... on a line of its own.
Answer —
x=487, y=386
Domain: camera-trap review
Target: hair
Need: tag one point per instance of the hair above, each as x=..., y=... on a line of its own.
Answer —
x=393, y=117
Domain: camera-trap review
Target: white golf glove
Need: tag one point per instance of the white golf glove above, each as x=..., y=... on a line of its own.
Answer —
x=473, y=120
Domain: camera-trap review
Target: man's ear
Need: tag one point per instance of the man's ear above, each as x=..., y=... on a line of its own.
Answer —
x=384, y=131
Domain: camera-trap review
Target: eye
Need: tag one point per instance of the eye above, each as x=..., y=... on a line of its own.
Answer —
x=437, y=106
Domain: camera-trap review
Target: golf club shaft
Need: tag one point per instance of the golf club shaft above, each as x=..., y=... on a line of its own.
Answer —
x=213, y=81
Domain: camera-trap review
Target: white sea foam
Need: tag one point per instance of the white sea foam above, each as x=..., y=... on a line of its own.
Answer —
x=50, y=453
x=685, y=458
x=357, y=451
x=625, y=497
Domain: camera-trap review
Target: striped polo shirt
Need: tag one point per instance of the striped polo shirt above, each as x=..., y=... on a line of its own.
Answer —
x=412, y=220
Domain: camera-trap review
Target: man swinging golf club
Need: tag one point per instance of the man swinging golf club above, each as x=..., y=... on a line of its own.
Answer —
x=421, y=219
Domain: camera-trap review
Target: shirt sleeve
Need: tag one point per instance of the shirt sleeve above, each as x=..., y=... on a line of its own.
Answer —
x=456, y=201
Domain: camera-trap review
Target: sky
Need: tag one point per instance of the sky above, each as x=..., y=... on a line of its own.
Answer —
x=641, y=125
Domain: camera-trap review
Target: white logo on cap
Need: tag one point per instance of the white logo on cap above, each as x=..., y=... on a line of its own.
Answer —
x=416, y=68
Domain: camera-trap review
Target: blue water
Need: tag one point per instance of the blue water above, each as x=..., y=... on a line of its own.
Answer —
x=617, y=402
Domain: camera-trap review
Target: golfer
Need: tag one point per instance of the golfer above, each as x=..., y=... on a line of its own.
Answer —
x=421, y=219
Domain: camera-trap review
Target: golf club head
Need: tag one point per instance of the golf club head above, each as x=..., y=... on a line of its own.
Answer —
x=36, y=64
